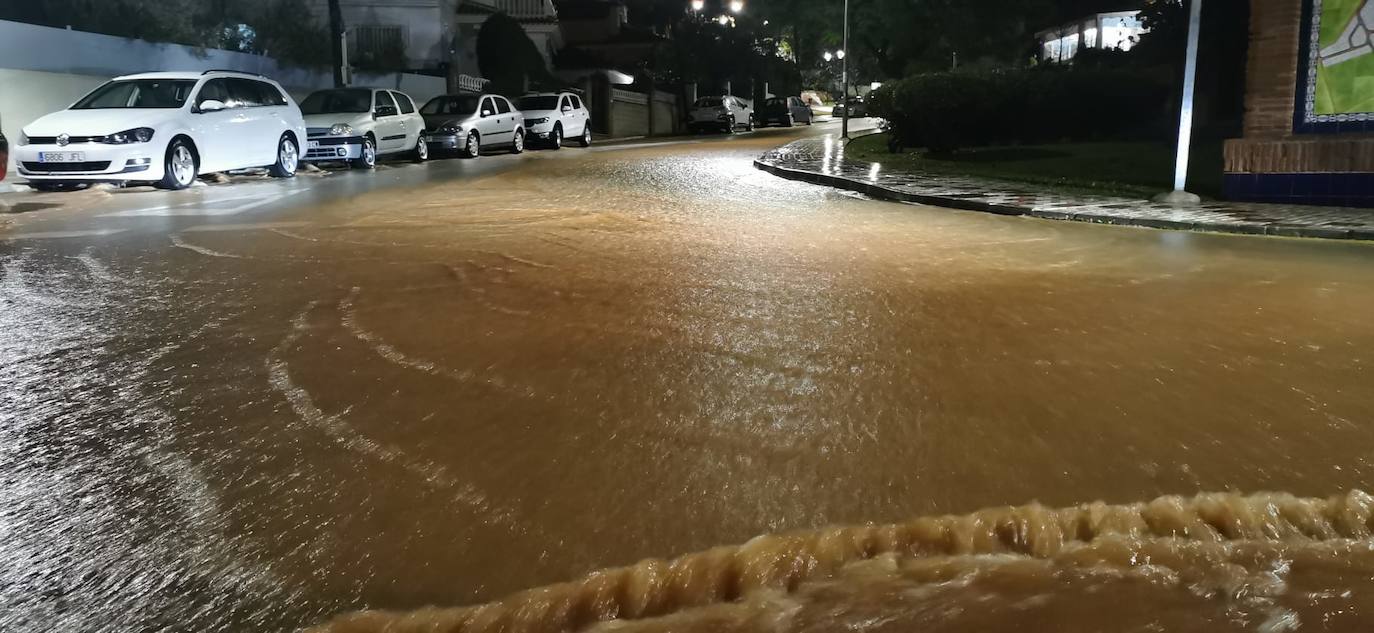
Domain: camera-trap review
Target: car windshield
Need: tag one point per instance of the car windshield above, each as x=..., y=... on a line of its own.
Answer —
x=138, y=93
x=709, y=102
x=332, y=101
x=457, y=104
x=539, y=103
x=775, y=102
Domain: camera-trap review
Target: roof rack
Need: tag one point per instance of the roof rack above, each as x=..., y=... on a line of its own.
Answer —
x=230, y=70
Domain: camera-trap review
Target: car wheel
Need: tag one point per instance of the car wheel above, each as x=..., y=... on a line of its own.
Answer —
x=586, y=140
x=368, y=157
x=518, y=145
x=179, y=166
x=421, y=153
x=288, y=158
x=730, y=127
x=790, y=121
x=556, y=139
x=473, y=147
x=749, y=124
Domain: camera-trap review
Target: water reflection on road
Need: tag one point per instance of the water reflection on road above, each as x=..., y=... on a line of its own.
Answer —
x=440, y=395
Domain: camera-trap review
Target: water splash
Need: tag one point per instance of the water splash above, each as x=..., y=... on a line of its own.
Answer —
x=1211, y=530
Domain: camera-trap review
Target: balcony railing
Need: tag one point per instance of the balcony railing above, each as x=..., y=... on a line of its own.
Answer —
x=522, y=8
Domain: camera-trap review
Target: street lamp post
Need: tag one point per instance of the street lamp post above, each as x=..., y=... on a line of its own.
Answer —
x=1185, y=118
x=844, y=71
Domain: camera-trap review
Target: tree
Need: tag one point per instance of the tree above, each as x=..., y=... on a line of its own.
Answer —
x=284, y=29
x=507, y=56
x=174, y=21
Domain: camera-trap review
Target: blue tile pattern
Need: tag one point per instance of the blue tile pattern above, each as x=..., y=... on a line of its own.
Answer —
x=821, y=160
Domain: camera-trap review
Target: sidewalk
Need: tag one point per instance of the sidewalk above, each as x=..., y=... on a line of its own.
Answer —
x=821, y=161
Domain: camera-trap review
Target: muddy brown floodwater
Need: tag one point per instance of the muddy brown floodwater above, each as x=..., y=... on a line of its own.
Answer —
x=442, y=395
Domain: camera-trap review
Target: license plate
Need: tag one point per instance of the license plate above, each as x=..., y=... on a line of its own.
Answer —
x=62, y=157
x=313, y=145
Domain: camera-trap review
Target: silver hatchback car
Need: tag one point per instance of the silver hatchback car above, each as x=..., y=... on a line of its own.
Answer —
x=466, y=123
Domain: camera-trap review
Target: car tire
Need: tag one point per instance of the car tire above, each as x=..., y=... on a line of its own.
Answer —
x=749, y=124
x=473, y=147
x=790, y=121
x=180, y=166
x=586, y=140
x=421, y=152
x=556, y=138
x=288, y=158
x=517, y=144
x=730, y=127
x=368, y=156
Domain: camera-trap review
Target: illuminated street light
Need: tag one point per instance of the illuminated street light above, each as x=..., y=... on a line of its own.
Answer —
x=839, y=54
x=736, y=6
x=698, y=5
x=723, y=19
x=828, y=56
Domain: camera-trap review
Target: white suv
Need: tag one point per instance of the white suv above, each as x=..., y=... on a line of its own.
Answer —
x=725, y=113
x=551, y=117
x=165, y=128
x=361, y=124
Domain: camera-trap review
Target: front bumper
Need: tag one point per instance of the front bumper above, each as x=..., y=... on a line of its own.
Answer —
x=325, y=148
x=108, y=163
x=712, y=122
x=448, y=141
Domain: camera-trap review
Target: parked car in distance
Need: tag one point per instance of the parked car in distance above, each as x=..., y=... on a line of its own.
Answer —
x=466, y=123
x=857, y=107
x=784, y=111
x=551, y=117
x=725, y=113
x=360, y=125
x=166, y=128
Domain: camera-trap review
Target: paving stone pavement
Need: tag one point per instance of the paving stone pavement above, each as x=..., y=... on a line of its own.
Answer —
x=821, y=160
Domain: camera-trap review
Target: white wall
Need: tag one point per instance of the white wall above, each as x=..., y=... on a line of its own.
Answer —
x=44, y=69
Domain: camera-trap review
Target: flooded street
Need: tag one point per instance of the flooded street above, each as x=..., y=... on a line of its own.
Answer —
x=451, y=389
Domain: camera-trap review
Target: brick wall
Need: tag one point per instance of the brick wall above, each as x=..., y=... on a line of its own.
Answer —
x=1269, y=145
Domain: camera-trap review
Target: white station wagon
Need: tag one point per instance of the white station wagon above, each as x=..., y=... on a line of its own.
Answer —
x=165, y=128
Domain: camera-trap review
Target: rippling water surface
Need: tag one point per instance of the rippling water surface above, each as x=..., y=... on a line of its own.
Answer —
x=444, y=395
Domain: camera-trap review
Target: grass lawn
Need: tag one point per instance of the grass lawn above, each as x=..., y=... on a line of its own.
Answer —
x=1138, y=170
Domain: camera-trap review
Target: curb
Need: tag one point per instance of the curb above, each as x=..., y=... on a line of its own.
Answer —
x=896, y=195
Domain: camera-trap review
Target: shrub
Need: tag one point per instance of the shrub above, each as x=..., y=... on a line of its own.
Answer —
x=944, y=112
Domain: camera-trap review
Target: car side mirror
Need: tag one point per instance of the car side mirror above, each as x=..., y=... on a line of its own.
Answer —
x=567, y=109
x=211, y=105
x=487, y=113
x=387, y=111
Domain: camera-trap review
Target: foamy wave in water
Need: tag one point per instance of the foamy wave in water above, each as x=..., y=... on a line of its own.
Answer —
x=1227, y=552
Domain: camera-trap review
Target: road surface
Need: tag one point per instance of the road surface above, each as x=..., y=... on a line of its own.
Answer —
x=258, y=405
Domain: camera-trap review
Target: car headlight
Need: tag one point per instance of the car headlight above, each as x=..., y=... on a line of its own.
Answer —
x=136, y=135
x=341, y=129
x=451, y=127
x=539, y=121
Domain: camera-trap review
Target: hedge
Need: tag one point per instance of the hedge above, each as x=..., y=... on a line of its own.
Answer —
x=944, y=112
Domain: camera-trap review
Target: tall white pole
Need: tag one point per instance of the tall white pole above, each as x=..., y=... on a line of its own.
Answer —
x=1185, y=119
x=844, y=71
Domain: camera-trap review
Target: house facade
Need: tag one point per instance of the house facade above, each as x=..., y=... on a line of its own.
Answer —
x=435, y=36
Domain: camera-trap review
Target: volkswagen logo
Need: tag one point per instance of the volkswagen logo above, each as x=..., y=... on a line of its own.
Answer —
x=63, y=139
